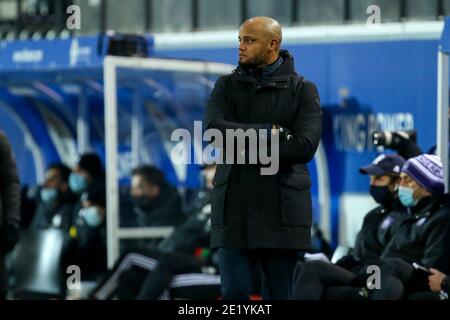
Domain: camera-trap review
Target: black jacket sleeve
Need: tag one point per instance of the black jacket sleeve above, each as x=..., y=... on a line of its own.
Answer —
x=9, y=197
x=437, y=253
x=306, y=129
x=218, y=114
x=445, y=284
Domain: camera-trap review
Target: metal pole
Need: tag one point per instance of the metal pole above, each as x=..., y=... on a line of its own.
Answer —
x=324, y=193
x=136, y=127
x=112, y=191
x=144, y=232
x=83, y=122
x=442, y=112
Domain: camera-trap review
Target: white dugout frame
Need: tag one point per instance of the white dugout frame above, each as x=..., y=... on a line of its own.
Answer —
x=111, y=63
x=442, y=100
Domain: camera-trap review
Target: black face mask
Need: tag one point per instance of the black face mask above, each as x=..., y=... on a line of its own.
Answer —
x=142, y=202
x=382, y=195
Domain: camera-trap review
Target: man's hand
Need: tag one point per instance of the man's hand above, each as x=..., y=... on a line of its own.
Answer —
x=435, y=280
x=283, y=132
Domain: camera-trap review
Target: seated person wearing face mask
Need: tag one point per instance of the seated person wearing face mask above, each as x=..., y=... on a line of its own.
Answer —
x=55, y=201
x=87, y=245
x=87, y=172
x=423, y=236
x=311, y=279
x=155, y=201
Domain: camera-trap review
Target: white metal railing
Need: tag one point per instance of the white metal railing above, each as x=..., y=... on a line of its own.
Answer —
x=443, y=100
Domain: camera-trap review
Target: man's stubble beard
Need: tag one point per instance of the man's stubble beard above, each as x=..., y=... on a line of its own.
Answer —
x=253, y=63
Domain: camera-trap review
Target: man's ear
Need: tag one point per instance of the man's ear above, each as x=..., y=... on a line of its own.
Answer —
x=273, y=44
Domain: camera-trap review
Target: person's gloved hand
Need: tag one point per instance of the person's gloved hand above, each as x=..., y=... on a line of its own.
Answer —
x=9, y=236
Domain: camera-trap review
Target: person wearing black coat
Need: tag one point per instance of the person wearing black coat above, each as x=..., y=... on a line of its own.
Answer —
x=55, y=201
x=85, y=245
x=85, y=238
x=155, y=202
x=314, y=278
x=260, y=217
x=422, y=237
x=9, y=208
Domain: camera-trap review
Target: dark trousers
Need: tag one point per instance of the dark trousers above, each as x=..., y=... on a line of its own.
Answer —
x=399, y=279
x=125, y=279
x=169, y=265
x=147, y=274
x=237, y=267
x=3, y=278
x=314, y=279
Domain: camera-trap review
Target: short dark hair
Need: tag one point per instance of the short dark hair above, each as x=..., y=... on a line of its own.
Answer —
x=92, y=163
x=151, y=174
x=64, y=171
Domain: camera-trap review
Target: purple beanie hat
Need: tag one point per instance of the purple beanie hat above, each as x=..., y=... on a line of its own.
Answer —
x=427, y=171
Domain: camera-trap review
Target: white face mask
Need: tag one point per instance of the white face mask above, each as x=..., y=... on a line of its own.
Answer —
x=91, y=216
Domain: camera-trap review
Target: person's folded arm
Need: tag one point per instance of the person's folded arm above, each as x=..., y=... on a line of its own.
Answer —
x=306, y=129
x=218, y=116
x=218, y=112
x=437, y=254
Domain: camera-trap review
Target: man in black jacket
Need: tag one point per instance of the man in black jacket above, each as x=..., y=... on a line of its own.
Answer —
x=56, y=202
x=85, y=246
x=9, y=208
x=424, y=236
x=313, y=279
x=257, y=218
x=155, y=201
x=87, y=172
